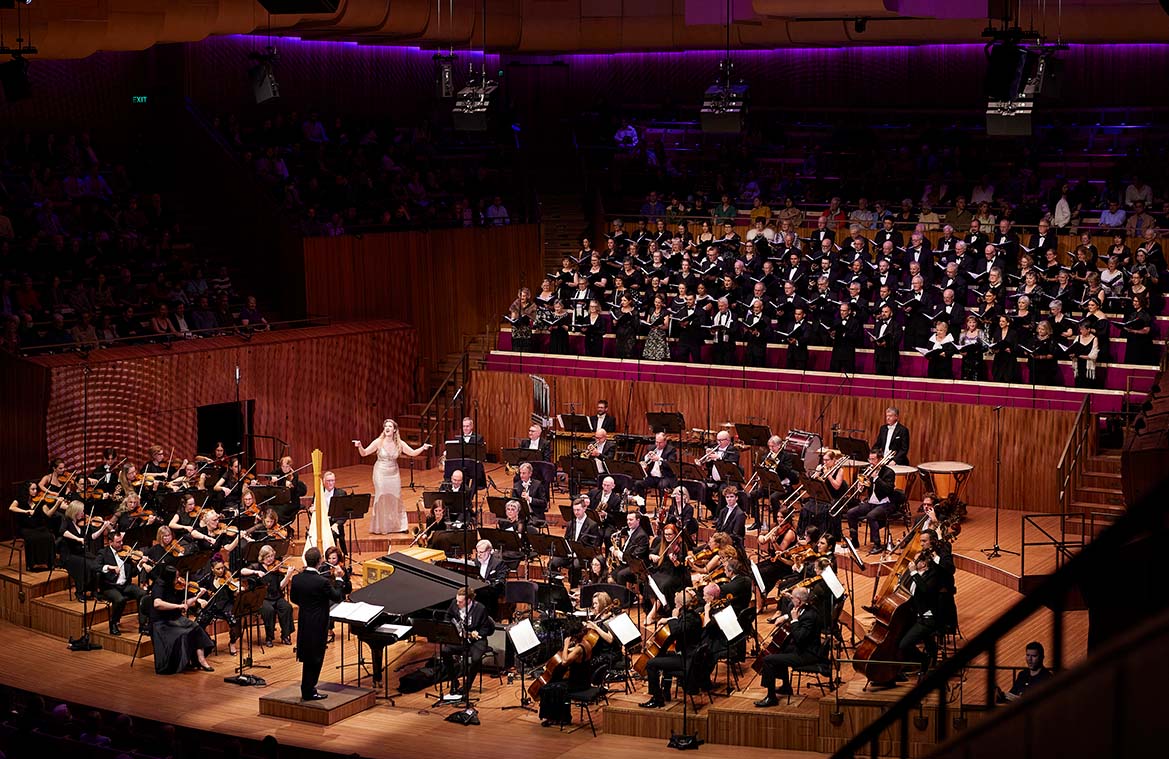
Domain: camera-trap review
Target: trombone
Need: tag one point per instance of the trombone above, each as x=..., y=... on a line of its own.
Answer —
x=863, y=481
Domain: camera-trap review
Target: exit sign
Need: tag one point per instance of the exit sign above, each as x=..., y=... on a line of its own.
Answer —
x=139, y=99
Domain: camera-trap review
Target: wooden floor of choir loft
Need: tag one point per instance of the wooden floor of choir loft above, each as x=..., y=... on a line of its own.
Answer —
x=39, y=616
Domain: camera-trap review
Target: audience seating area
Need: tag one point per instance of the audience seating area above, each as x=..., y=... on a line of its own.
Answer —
x=341, y=176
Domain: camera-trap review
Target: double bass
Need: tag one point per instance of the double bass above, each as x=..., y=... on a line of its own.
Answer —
x=557, y=667
x=892, y=619
x=320, y=531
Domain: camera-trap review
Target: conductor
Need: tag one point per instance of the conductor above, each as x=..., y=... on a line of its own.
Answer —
x=314, y=590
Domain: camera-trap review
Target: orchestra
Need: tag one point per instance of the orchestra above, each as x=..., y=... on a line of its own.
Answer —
x=112, y=545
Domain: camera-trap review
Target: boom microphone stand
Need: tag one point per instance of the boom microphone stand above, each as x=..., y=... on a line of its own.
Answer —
x=996, y=551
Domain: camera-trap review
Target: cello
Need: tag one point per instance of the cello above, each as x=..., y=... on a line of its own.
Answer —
x=892, y=619
x=320, y=531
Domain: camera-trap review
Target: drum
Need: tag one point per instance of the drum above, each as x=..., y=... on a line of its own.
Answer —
x=851, y=468
x=805, y=446
x=945, y=477
x=906, y=478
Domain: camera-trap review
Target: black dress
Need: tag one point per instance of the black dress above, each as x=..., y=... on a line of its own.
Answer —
x=558, y=339
x=176, y=638
x=1044, y=371
x=1141, y=349
x=82, y=568
x=1004, y=367
x=626, y=325
x=594, y=332
x=554, y=703
x=39, y=549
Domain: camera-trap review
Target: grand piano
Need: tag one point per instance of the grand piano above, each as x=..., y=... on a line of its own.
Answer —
x=416, y=590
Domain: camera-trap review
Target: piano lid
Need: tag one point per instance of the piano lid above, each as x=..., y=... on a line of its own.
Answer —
x=415, y=585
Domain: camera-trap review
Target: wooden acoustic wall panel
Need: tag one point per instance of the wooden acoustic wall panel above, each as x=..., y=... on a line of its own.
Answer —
x=446, y=283
x=1032, y=440
x=314, y=388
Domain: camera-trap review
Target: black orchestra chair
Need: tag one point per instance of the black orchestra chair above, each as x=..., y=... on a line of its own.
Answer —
x=819, y=674
x=586, y=698
x=545, y=472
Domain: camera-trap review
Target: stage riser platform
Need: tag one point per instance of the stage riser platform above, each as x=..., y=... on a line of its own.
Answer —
x=343, y=701
x=737, y=722
x=623, y=716
x=858, y=716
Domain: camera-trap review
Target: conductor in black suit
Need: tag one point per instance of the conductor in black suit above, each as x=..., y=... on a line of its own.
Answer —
x=603, y=420
x=475, y=626
x=659, y=464
x=894, y=437
x=314, y=591
x=536, y=442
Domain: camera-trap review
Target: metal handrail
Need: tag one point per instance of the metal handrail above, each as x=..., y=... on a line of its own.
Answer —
x=1067, y=470
x=1145, y=518
x=279, y=448
x=1060, y=544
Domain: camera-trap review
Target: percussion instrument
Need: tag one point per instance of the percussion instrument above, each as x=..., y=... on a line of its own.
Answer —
x=851, y=468
x=803, y=445
x=945, y=477
x=906, y=477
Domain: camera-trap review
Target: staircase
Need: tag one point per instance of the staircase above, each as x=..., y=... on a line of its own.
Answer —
x=433, y=420
x=564, y=223
x=1098, y=487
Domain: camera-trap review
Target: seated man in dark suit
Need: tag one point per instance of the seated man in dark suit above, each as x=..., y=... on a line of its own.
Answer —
x=581, y=529
x=659, y=464
x=460, y=506
x=634, y=545
x=531, y=491
x=491, y=569
x=475, y=625
x=882, y=499
x=536, y=442
x=802, y=648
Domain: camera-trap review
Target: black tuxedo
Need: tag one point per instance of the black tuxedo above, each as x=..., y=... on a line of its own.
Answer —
x=797, y=345
x=917, y=324
x=845, y=341
x=730, y=455
x=496, y=579
x=925, y=590
x=801, y=649
x=899, y=444
x=542, y=445
x=608, y=424
x=636, y=546
x=883, y=235
x=732, y=522
x=740, y=586
x=692, y=333
x=537, y=493
x=668, y=478
x=589, y=534
x=886, y=347
x=117, y=593
x=460, y=502
x=475, y=618
x=314, y=594
x=473, y=439
x=884, y=488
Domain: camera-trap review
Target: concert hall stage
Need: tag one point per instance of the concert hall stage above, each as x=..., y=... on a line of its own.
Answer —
x=33, y=657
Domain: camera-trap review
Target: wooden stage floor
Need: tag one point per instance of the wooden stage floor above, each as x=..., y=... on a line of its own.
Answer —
x=38, y=661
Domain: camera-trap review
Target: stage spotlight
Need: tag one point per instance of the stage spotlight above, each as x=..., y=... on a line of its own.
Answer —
x=472, y=106
x=444, y=76
x=724, y=105
x=263, y=75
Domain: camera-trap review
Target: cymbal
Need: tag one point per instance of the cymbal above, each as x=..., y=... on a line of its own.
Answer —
x=727, y=424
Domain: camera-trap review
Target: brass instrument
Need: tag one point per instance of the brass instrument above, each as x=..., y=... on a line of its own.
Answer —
x=820, y=473
x=589, y=452
x=769, y=462
x=706, y=456
x=862, y=482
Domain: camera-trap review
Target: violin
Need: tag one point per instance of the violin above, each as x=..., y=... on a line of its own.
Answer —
x=133, y=555
x=190, y=586
x=225, y=529
x=175, y=549
x=228, y=582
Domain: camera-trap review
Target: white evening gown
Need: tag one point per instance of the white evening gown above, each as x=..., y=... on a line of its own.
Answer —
x=387, y=514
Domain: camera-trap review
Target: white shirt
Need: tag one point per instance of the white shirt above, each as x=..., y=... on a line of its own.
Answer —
x=579, y=526
x=121, y=564
x=600, y=422
x=889, y=438
x=482, y=575
x=534, y=445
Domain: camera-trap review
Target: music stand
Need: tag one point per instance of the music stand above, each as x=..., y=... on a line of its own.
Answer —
x=252, y=555
x=549, y=545
x=816, y=489
x=248, y=604
x=851, y=447
x=523, y=638
x=497, y=505
x=444, y=634
x=729, y=474
x=669, y=422
x=755, y=435
x=575, y=423
x=271, y=494
x=460, y=542
x=470, y=466
x=580, y=470
x=346, y=508
x=504, y=540
x=629, y=469
x=567, y=515
x=553, y=596
x=517, y=456
x=191, y=563
x=688, y=470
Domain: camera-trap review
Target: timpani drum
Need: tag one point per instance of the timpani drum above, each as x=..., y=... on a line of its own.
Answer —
x=851, y=468
x=804, y=446
x=945, y=477
x=906, y=478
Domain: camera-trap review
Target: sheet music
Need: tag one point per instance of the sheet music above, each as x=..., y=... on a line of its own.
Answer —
x=657, y=591
x=624, y=628
x=361, y=612
x=728, y=622
x=758, y=578
x=833, y=582
x=400, y=631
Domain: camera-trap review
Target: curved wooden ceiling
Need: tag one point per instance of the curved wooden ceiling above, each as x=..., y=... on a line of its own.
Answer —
x=77, y=28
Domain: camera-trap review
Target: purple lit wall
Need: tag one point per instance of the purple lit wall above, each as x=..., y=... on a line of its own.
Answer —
x=360, y=80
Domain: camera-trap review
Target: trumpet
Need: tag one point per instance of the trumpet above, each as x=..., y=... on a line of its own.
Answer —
x=589, y=452
x=706, y=456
